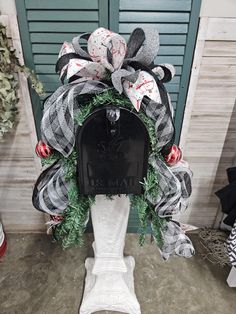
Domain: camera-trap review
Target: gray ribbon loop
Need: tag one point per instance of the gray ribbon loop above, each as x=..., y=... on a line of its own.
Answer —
x=117, y=76
x=165, y=72
x=77, y=46
x=148, y=48
x=135, y=41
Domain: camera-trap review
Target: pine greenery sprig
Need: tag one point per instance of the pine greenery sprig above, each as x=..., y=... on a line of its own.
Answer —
x=158, y=226
x=150, y=125
x=107, y=97
x=71, y=229
x=51, y=159
x=139, y=203
x=146, y=210
x=69, y=166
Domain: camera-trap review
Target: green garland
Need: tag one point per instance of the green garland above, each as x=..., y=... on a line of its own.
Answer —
x=9, y=66
x=70, y=231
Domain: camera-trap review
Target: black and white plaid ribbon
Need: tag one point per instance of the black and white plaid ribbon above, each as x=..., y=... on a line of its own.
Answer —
x=174, y=182
x=162, y=117
x=175, y=242
x=57, y=126
x=50, y=193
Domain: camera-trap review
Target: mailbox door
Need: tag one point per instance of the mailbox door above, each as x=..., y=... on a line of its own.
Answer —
x=113, y=155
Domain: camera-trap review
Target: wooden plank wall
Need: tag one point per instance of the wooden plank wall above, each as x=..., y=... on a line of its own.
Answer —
x=18, y=165
x=209, y=144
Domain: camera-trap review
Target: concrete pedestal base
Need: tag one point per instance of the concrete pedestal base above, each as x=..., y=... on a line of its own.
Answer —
x=109, y=283
x=111, y=291
x=231, y=280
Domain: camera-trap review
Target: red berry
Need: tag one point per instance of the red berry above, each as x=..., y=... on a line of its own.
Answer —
x=43, y=150
x=56, y=218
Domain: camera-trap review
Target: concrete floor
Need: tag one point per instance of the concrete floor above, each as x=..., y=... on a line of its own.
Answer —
x=38, y=277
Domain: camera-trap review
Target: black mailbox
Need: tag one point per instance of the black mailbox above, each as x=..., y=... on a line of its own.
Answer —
x=112, y=147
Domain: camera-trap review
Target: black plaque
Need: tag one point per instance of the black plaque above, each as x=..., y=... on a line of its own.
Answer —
x=112, y=147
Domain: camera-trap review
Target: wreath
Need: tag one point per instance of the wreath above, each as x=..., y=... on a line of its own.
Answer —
x=9, y=66
x=111, y=71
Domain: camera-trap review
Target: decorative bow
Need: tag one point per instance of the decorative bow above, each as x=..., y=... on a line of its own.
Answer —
x=130, y=66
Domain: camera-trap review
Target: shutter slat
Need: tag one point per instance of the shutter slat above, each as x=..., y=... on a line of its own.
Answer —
x=46, y=48
x=45, y=78
x=175, y=80
x=166, y=17
x=45, y=59
x=65, y=27
x=170, y=50
x=61, y=4
x=175, y=60
x=165, y=39
x=172, y=88
x=45, y=68
x=162, y=28
x=173, y=96
x=160, y=5
x=42, y=15
x=53, y=37
x=173, y=39
x=51, y=87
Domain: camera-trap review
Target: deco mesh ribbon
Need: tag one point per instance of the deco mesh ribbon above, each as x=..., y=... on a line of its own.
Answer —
x=231, y=246
x=110, y=63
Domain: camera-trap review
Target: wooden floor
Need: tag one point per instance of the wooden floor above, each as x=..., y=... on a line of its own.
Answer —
x=38, y=277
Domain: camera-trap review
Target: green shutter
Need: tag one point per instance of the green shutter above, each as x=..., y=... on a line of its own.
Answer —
x=46, y=24
x=177, y=23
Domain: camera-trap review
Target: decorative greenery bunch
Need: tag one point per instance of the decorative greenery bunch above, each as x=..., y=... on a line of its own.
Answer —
x=70, y=231
x=9, y=66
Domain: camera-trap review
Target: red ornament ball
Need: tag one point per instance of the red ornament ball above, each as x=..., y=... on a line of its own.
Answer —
x=174, y=156
x=43, y=150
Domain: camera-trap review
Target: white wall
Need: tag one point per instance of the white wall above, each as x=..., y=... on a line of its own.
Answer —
x=19, y=166
x=7, y=7
x=218, y=8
